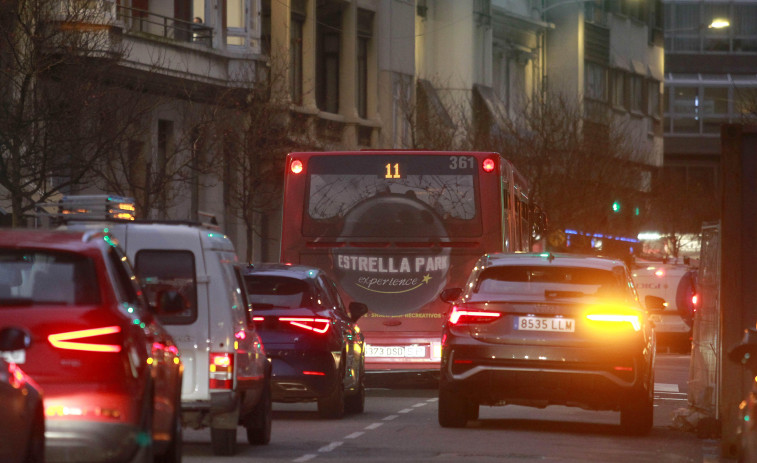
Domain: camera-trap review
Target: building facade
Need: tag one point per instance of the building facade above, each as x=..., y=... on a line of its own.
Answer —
x=710, y=79
x=362, y=73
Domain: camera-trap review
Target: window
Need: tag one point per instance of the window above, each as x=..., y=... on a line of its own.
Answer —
x=596, y=82
x=364, y=36
x=235, y=22
x=635, y=94
x=328, y=49
x=618, y=89
x=653, y=98
x=295, y=54
x=159, y=271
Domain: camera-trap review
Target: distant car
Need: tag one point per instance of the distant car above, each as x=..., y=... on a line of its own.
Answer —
x=677, y=285
x=111, y=375
x=22, y=418
x=548, y=329
x=315, y=346
x=745, y=354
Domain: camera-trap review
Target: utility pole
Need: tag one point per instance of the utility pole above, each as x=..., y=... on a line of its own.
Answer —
x=738, y=272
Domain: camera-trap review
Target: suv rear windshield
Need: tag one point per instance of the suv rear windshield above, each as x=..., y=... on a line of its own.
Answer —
x=274, y=292
x=160, y=270
x=42, y=277
x=556, y=281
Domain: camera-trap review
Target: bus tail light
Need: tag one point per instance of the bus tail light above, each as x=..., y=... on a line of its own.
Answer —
x=460, y=316
x=106, y=339
x=221, y=369
x=296, y=166
x=488, y=165
x=317, y=325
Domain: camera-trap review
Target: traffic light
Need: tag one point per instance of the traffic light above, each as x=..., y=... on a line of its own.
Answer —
x=616, y=206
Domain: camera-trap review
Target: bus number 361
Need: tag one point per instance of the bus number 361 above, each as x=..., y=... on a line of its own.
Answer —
x=461, y=162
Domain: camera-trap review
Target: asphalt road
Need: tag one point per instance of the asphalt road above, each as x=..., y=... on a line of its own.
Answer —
x=401, y=425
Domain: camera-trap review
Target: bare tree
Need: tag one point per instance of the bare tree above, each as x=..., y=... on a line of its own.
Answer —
x=577, y=167
x=55, y=100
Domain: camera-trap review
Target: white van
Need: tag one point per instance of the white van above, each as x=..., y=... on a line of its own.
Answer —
x=662, y=280
x=227, y=377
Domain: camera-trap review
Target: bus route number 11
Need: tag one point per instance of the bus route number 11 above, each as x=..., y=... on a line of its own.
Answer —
x=392, y=171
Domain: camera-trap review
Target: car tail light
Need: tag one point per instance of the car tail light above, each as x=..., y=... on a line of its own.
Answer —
x=106, y=339
x=317, y=325
x=615, y=319
x=221, y=369
x=460, y=316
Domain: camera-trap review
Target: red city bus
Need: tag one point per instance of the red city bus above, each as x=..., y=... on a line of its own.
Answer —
x=394, y=228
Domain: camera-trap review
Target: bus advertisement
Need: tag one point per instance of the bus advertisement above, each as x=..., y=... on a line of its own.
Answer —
x=394, y=228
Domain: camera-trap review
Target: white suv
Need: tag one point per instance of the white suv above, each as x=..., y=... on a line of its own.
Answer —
x=227, y=377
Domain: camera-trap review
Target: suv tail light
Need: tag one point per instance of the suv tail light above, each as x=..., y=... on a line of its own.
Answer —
x=460, y=316
x=106, y=339
x=615, y=319
x=315, y=324
x=221, y=370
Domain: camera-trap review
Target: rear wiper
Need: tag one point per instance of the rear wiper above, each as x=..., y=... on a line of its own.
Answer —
x=262, y=306
x=552, y=293
x=16, y=301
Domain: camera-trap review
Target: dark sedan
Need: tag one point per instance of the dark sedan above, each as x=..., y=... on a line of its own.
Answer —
x=22, y=418
x=315, y=346
x=544, y=329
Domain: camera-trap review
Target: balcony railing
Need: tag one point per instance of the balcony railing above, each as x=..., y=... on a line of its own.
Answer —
x=146, y=22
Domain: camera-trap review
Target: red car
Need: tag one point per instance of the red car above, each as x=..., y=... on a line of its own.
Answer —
x=110, y=373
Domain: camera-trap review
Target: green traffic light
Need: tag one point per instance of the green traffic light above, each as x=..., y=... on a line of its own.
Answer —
x=616, y=206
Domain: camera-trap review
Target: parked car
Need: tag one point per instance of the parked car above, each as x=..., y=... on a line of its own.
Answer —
x=676, y=284
x=745, y=354
x=22, y=418
x=227, y=379
x=110, y=373
x=548, y=329
x=314, y=343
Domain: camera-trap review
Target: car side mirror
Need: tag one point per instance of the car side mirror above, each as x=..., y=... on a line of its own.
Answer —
x=746, y=353
x=654, y=304
x=450, y=295
x=170, y=302
x=357, y=310
x=12, y=338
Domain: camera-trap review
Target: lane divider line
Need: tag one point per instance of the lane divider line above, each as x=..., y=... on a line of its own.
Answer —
x=390, y=417
x=330, y=447
x=304, y=458
x=373, y=426
x=354, y=435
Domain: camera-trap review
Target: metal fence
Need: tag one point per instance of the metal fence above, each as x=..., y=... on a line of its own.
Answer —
x=143, y=21
x=704, y=372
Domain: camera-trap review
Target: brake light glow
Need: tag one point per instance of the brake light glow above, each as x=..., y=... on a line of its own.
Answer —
x=488, y=165
x=317, y=325
x=221, y=370
x=616, y=318
x=296, y=166
x=314, y=373
x=72, y=340
x=660, y=273
x=459, y=316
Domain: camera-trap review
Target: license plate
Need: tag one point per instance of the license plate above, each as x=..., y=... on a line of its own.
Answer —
x=14, y=356
x=564, y=325
x=396, y=351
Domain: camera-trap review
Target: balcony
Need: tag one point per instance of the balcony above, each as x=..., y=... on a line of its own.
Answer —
x=137, y=21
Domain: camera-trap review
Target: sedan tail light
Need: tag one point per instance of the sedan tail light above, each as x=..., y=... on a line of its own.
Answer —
x=106, y=339
x=221, y=369
x=315, y=324
x=459, y=316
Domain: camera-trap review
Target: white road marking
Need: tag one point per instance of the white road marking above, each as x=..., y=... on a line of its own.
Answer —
x=390, y=417
x=354, y=435
x=405, y=410
x=422, y=404
x=373, y=426
x=330, y=447
x=303, y=458
x=662, y=387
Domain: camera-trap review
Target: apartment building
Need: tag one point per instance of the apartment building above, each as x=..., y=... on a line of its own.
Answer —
x=710, y=79
x=367, y=73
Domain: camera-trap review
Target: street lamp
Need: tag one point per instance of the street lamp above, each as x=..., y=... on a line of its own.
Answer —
x=719, y=23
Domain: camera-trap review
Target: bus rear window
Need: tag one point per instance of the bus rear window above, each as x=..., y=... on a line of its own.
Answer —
x=392, y=196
